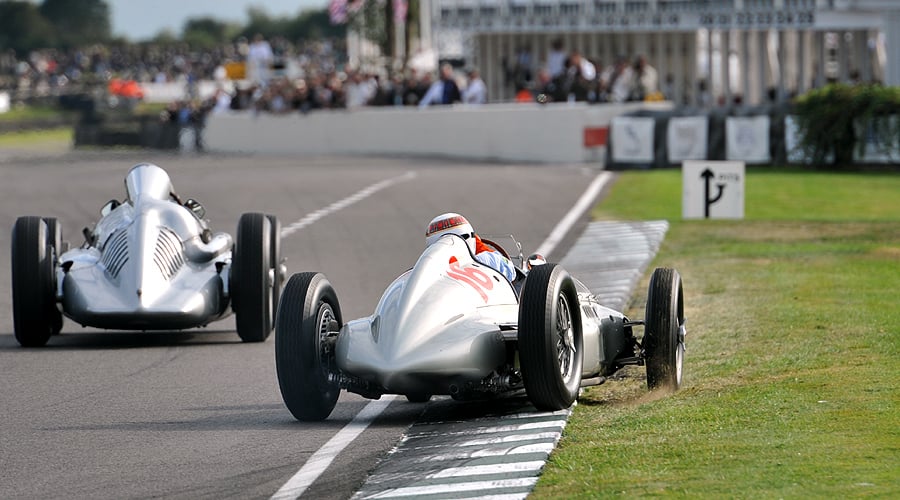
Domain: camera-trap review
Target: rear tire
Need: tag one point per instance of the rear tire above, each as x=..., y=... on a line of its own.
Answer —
x=663, y=342
x=304, y=362
x=33, y=283
x=251, y=287
x=550, y=339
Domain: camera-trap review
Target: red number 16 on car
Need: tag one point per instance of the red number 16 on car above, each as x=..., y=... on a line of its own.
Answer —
x=472, y=276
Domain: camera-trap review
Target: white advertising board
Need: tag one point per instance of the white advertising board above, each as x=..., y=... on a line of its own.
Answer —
x=747, y=139
x=631, y=139
x=712, y=189
x=687, y=138
x=4, y=102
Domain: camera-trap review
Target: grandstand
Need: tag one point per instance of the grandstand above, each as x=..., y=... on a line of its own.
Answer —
x=764, y=49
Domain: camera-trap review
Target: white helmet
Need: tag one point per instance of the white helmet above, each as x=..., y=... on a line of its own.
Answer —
x=535, y=259
x=450, y=223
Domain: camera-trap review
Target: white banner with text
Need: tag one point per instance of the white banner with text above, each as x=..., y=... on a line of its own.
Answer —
x=687, y=138
x=747, y=139
x=631, y=139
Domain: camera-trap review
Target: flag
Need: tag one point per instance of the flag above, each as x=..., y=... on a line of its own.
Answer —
x=337, y=11
x=400, y=7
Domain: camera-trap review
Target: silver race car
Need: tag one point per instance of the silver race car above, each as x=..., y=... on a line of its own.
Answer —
x=452, y=326
x=150, y=263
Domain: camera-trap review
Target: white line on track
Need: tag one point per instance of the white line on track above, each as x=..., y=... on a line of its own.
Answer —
x=559, y=232
x=322, y=458
x=344, y=203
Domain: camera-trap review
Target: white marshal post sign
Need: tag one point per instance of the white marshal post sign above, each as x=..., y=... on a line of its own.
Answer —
x=712, y=189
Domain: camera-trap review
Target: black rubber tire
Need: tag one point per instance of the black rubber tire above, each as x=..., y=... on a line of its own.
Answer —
x=275, y=262
x=308, y=305
x=551, y=352
x=54, y=232
x=54, y=236
x=251, y=292
x=663, y=342
x=33, y=282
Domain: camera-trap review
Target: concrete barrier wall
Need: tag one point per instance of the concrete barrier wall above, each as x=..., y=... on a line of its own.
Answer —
x=177, y=91
x=551, y=133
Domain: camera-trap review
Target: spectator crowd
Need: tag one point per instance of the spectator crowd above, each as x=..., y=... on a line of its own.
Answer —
x=321, y=78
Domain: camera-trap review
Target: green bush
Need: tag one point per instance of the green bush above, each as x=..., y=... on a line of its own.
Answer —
x=836, y=119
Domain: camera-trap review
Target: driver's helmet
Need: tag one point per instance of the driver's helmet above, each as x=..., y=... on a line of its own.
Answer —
x=534, y=259
x=450, y=223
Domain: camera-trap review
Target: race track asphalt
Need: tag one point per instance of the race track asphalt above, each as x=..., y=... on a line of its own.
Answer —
x=198, y=414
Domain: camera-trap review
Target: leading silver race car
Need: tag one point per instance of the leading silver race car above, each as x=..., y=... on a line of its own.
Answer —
x=150, y=263
x=453, y=326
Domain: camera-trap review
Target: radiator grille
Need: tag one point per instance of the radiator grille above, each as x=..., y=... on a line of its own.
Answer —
x=168, y=254
x=115, y=253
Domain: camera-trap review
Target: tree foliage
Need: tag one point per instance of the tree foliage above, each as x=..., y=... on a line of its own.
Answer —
x=207, y=32
x=313, y=25
x=372, y=22
x=26, y=26
x=23, y=28
x=838, y=119
x=78, y=22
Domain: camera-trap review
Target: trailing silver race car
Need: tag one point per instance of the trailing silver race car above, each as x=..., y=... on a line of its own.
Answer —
x=150, y=263
x=453, y=326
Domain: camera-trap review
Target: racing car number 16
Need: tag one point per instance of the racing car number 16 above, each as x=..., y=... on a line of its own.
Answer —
x=473, y=277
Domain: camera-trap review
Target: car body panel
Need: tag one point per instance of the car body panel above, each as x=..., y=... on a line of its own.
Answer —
x=414, y=342
x=148, y=264
x=446, y=325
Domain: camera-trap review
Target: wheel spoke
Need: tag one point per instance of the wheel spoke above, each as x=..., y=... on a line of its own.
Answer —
x=565, y=341
x=326, y=316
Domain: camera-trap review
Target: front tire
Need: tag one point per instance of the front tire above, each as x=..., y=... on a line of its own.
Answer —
x=309, y=315
x=251, y=287
x=275, y=262
x=54, y=236
x=35, y=315
x=663, y=342
x=550, y=339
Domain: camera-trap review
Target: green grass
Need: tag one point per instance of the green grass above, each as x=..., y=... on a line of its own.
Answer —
x=19, y=113
x=793, y=350
x=36, y=138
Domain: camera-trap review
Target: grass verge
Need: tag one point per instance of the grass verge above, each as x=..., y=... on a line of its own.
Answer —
x=23, y=113
x=793, y=350
x=36, y=138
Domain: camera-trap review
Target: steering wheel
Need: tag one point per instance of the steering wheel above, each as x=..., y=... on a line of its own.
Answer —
x=496, y=247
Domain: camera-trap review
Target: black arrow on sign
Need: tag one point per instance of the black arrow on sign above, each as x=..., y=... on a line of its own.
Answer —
x=708, y=176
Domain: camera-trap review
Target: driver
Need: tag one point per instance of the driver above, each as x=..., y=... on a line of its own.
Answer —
x=453, y=223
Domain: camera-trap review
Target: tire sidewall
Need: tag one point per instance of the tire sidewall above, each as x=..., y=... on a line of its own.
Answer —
x=663, y=319
x=33, y=283
x=303, y=373
x=538, y=313
x=275, y=262
x=54, y=239
x=250, y=292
